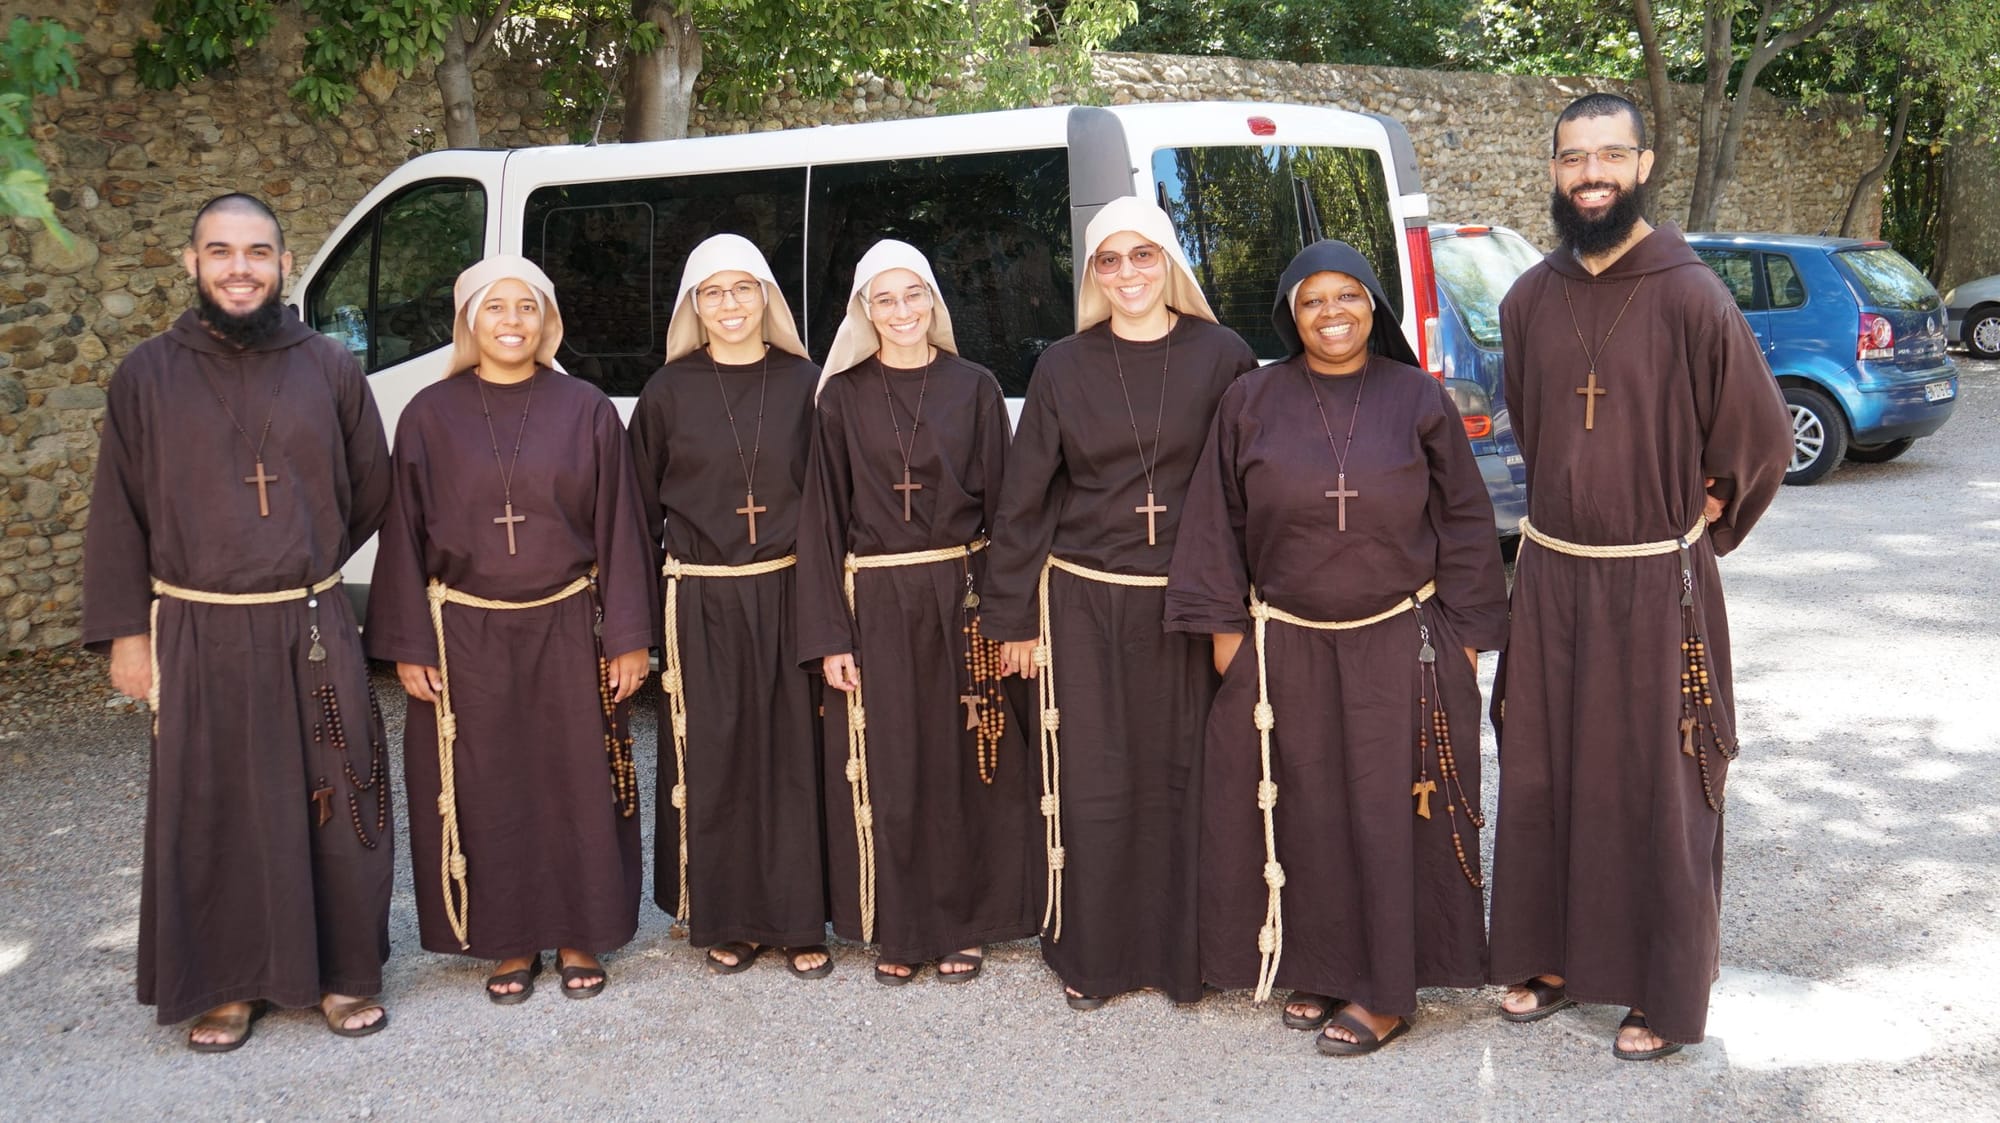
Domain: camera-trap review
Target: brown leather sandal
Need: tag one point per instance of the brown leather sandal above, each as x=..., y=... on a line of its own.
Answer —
x=337, y=1015
x=240, y=1025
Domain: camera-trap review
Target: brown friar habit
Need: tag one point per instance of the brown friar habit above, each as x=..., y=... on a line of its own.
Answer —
x=1133, y=699
x=1607, y=855
x=954, y=856
x=250, y=888
x=552, y=857
x=756, y=859
x=1376, y=903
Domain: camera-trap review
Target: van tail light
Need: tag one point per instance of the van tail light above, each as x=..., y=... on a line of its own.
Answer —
x=1424, y=278
x=1263, y=126
x=1878, y=338
x=1478, y=425
x=1475, y=408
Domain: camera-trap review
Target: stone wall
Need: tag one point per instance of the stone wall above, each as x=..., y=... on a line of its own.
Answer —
x=129, y=166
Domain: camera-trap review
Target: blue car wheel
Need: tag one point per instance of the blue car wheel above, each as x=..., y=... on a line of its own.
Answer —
x=1819, y=435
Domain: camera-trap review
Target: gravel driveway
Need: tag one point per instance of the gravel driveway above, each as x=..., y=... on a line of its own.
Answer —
x=1861, y=941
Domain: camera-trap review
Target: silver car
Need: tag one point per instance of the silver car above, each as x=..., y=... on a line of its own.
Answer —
x=1972, y=314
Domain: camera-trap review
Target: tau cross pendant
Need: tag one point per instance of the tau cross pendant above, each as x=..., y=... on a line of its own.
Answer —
x=750, y=510
x=323, y=796
x=263, y=496
x=508, y=520
x=1422, y=789
x=1341, y=493
x=971, y=702
x=1151, y=508
x=1591, y=391
x=906, y=487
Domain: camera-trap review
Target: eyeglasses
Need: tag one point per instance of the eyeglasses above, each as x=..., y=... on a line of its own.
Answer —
x=916, y=300
x=1141, y=257
x=744, y=293
x=1611, y=156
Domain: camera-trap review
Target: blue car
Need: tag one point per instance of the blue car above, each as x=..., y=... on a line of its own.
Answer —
x=1855, y=336
x=1475, y=267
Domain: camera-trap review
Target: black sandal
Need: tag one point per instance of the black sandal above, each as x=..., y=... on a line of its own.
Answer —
x=957, y=959
x=792, y=956
x=571, y=971
x=889, y=978
x=1327, y=1004
x=1638, y=1021
x=1549, y=998
x=525, y=976
x=745, y=954
x=1365, y=1041
x=1084, y=1002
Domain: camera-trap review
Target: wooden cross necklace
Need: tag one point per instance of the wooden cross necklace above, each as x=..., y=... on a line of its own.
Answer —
x=1590, y=390
x=1152, y=507
x=749, y=510
x=259, y=478
x=509, y=518
x=916, y=422
x=1340, y=492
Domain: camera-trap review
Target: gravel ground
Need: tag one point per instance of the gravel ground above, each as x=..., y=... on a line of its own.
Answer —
x=1860, y=925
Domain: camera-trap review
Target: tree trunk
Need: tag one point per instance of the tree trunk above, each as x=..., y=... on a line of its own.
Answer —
x=1717, y=21
x=659, y=96
x=1969, y=229
x=454, y=79
x=1872, y=178
x=1666, y=122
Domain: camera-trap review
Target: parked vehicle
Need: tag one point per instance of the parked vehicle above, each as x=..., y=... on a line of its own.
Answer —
x=1972, y=316
x=1853, y=333
x=995, y=199
x=1475, y=266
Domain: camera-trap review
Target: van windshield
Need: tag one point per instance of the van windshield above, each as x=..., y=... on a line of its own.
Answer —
x=1886, y=280
x=1475, y=271
x=1244, y=212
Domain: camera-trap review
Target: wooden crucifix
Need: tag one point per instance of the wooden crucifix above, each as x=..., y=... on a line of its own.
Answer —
x=750, y=510
x=1341, y=493
x=323, y=796
x=508, y=520
x=1149, y=509
x=261, y=478
x=1591, y=391
x=1422, y=789
x=971, y=702
x=906, y=487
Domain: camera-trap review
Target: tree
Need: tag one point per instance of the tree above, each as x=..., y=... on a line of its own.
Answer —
x=1363, y=32
x=35, y=61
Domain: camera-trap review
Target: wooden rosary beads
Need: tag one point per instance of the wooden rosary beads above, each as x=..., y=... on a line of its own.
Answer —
x=329, y=729
x=1436, y=733
x=617, y=746
x=985, y=712
x=1697, y=702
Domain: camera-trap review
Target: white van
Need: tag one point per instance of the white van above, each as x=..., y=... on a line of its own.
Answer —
x=996, y=200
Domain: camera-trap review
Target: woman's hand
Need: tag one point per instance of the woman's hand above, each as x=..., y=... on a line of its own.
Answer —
x=420, y=682
x=132, y=666
x=1017, y=657
x=1226, y=646
x=627, y=672
x=841, y=673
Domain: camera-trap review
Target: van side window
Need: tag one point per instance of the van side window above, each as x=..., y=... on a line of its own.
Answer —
x=1781, y=277
x=386, y=290
x=1737, y=268
x=1243, y=213
x=995, y=226
x=614, y=251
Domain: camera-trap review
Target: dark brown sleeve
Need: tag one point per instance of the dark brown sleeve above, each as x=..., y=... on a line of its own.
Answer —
x=370, y=473
x=1208, y=583
x=117, y=556
x=399, y=626
x=824, y=625
x=651, y=421
x=625, y=582
x=1472, y=586
x=1025, y=524
x=1746, y=429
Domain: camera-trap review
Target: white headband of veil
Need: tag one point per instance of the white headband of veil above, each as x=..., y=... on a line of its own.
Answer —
x=470, y=292
x=724, y=253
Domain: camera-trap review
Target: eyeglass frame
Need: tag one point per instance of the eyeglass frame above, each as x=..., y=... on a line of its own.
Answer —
x=916, y=299
x=1624, y=154
x=1118, y=260
x=755, y=294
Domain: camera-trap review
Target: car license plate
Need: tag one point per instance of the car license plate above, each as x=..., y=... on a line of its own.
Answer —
x=1937, y=391
x=1515, y=460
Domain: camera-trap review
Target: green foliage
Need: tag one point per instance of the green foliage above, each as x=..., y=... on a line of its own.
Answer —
x=1365, y=32
x=36, y=60
x=200, y=37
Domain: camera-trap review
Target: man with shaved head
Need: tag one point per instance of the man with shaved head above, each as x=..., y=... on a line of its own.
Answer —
x=242, y=461
x=1654, y=437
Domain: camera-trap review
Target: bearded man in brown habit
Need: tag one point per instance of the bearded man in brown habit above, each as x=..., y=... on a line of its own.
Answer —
x=1654, y=438
x=242, y=461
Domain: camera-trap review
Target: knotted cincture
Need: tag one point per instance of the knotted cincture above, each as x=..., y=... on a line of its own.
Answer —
x=857, y=721
x=673, y=682
x=163, y=589
x=1271, y=937
x=452, y=867
x=1051, y=726
x=1697, y=700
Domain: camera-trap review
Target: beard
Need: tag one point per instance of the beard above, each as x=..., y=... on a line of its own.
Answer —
x=1588, y=237
x=246, y=330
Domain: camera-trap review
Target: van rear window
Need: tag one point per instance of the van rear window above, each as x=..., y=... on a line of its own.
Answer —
x=1886, y=280
x=1244, y=212
x=1476, y=271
